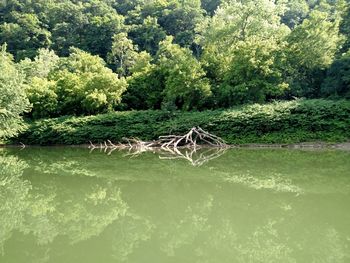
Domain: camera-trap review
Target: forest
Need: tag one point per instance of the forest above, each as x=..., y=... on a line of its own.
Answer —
x=88, y=57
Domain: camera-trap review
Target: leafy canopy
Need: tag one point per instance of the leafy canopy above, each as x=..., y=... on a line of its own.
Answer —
x=13, y=102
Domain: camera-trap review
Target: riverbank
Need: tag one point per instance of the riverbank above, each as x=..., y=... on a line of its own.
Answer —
x=282, y=123
x=303, y=145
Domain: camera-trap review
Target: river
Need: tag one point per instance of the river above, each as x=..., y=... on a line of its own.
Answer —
x=61, y=204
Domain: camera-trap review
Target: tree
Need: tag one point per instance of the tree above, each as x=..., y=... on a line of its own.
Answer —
x=255, y=74
x=41, y=94
x=337, y=82
x=70, y=92
x=345, y=27
x=38, y=88
x=141, y=63
x=147, y=35
x=44, y=62
x=296, y=12
x=24, y=35
x=145, y=85
x=79, y=84
x=315, y=42
x=311, y=48
x=88, y=25
x=180, y=21
x=236, y=21
x=176, y=17
x=185, y=84
x=243, y=51
x=122, y=54
x=210, y=6
x=85, y=85
x=13, y=102
x=125, y=6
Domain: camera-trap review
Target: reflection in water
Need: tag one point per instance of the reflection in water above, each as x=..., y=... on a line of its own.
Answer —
x=196, y=157
x=66, y=205
x=193, y=156
x=13, y=193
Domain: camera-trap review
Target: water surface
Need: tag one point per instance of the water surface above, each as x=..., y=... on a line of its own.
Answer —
x=244, y=205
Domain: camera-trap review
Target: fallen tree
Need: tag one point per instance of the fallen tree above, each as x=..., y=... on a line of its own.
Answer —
x=172, y=147
x=194, y=139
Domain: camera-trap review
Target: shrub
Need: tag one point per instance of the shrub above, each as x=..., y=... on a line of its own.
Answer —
x=278, y=122
x=42, y=96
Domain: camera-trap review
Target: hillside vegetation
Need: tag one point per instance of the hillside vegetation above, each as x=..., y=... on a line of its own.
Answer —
x=83, y=58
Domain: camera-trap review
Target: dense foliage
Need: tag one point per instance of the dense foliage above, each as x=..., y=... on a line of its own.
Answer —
x=13, y=101
x=87, y=57
x=289, y=122
x=337, y=82
x=78, y=84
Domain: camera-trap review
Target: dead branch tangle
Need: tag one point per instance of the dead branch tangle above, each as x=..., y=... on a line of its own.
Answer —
x=194, y=139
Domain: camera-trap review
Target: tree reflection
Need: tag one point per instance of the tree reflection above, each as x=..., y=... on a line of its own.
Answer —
x=53, y=205
x=13, y=195
x=128, y=234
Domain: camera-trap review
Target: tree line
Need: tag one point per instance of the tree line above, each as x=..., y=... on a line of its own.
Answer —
x=83, y=57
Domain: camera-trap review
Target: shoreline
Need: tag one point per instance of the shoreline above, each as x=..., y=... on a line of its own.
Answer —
x=303, y=145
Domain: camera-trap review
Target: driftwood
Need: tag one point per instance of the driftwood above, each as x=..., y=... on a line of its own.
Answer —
x=194, y=139
x=172, y=146
x=191, y=140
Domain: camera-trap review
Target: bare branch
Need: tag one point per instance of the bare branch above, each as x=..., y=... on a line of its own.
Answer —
x=172, y=145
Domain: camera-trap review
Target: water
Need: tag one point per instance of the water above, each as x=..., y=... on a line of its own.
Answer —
x=243, y=205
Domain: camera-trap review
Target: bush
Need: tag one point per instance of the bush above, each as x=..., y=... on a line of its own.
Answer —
x=80, y=84
x=278, y=122
x=86, y=86
x=42, y=96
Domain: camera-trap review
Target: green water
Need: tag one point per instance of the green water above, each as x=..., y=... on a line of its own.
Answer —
x=69, y=205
